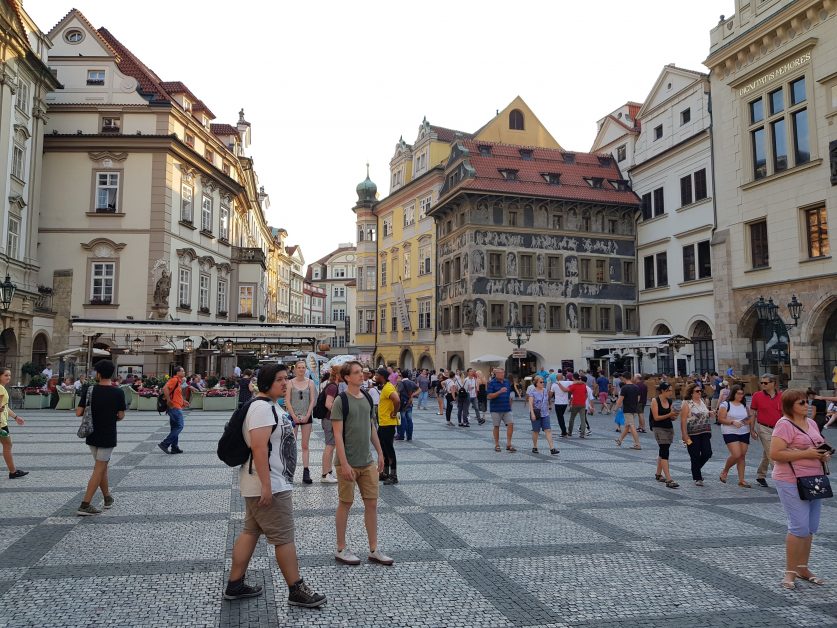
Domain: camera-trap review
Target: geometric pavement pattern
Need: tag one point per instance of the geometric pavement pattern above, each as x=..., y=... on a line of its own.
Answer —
x=584, y=538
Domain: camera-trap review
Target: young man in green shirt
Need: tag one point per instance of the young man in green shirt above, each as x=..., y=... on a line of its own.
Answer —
x=354, y=464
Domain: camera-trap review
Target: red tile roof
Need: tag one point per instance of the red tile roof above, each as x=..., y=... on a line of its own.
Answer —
x=530, y=180
x=290, y=250
x=223, y=129
x=177, y=87
x=448, y=135
x=199, y=105
x=149, y=84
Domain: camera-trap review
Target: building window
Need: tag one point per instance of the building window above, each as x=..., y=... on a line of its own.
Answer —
x=646, y=206
x=206, y=214
x=73, y=36
x=557, y=221
x=685, y=116
x=221, y=304
x=584, y=270
x=555, y=317
x=203, y=293
x=424, y=259
x=225, y=168
x=516, y=122
x=339, y=291
x=383, y=272
x=383, y=320
x=783, y=133
x=605, y=319
x=111, y=124
x=246, y=300
x=18, y=160
x=339, y=273
x=585, y=318
x=700, y=185
x=387, y=226
x=631, y=322
x=658, y=263
x=186, y=206
x=601, y=271
x=659, y=202
x=406, y=264
x=107, y=191
x=621, y=153
x=424, y=314
x=511, y=218
x=527, y=267
x=184, y=287
x=495, y=264
x=759, y=251
x=224, y=228
x=658, y=132
x=95, y=77
x=22, y=97
x=190, y=140
x=393, y=321
x=410, y=215
x=497, y=317
x=527, y=315
x=704, y=267
x=209, y=156
x=689, y=262
x=102, y=278
x=628, y=275
x=456, y=316
x=816, y=227
x=13, y=237
x=686, y=190
x=424, y=206
x=554, y=267
x=662, y=269
x=338, y=314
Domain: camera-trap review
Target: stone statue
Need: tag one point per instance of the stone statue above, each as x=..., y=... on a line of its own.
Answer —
x=478, y=262
x=511, y=264
x=513, y=318
x=542, y=315
x=572, y=316
x=467, y=314
x=541, y=269
x=162, y=289
x=479, y=313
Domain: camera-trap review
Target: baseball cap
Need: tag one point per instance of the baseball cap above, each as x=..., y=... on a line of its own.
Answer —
x=382, y=372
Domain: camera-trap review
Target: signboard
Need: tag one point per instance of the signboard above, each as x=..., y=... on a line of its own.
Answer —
x=519, y=354
x=401, y=304
x=348, y=329
x=568, y=365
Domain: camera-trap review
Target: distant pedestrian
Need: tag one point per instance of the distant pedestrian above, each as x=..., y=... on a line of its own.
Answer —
x=107, y=406
x=735, y=428
x=463, y=401
x=628, y=402
x=423, y=381
x=498, y=392
x=561, y=400
x=245, y=391
x=266, y=487
x=173, y=393
x=766, y=410
x=300, y=398
x=407, y=390
x=539, y=414
x=355, y=466
x=696, y=428
x=662, y=413
x=389, y=402
x=472, y=386
x=639, y=381
x=578, y=405
x=330, y=387
x=451, y=395
x=603, y=386
x=5, y=432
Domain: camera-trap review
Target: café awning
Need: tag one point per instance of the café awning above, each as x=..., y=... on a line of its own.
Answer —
x=644, y=343
x=79, y=351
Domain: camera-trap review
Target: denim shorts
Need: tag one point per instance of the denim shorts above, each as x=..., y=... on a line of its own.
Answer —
x=541, y=424
x=803, y=516
x=737, y=438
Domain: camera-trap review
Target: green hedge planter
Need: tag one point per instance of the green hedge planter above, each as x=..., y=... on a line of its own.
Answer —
x=196, y=400
x=146, y=403
x=218, y=404
x=134, y=402
x=66, y=401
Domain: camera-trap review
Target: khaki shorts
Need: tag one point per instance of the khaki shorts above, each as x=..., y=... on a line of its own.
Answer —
x=276, y=521
x=630, y=418
x=505, y=417
x=101, y=454
x=366, y=479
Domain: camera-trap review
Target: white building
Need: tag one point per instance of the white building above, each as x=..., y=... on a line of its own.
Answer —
x=335, y=273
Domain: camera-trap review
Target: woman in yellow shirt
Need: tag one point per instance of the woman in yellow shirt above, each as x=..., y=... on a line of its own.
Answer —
x=5, y=436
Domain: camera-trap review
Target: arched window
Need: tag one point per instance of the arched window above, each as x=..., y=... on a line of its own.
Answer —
x=665, y=359
x=516, y=120
x=704, y=348
x=39, y=351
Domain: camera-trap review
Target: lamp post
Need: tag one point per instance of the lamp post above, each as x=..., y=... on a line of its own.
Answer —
x=518, y=335
x=188, y=345
x=136, y=345
x=7, y=293
x=767, y=313
x=228, y=346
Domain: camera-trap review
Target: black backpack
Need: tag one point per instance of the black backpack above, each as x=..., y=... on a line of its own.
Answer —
x=320, y=411
x=344, y=402
x=232, y=448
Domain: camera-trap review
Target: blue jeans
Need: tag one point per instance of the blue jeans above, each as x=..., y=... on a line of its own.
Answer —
x=422, y=399
x=406, y=427
x=475, y=406
x=176, y=424
x=463, y=405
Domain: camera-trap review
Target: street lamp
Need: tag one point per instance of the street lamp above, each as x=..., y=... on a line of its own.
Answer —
x=188, y=345
x=768, y=311
x=265, y=349
x=136, y=345
x=518, y=334
x=795, y=308
x=7, y=293
x=228, y=346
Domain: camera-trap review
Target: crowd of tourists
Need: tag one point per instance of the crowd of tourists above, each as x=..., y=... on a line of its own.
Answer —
x=362, y=410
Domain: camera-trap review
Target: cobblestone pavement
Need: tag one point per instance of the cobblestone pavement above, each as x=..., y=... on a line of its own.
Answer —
x=585, y=538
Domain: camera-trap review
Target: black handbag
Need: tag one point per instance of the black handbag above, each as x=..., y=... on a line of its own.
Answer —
x=813, y=486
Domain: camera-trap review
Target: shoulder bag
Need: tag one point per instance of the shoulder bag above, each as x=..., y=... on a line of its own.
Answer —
x=86, y=427
x=813, y=486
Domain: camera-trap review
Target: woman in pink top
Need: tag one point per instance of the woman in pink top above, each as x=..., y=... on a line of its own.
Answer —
x=794, y=453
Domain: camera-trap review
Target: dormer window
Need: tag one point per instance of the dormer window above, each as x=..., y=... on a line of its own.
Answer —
x=620, y=184
x=569, y=158
x=508, y=174
x=190, y=140
x=526, y=154
x=95, y=77
x=73, y=36
x=553, y=178
x=485, y=151
x=594, y=182
x=111, y=124
x=604, y=160
x=516, y=122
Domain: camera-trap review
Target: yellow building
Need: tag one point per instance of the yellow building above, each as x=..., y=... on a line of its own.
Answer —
x=396, y=239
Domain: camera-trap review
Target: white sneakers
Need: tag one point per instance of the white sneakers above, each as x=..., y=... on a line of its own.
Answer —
x=346, y=557
x=328, y=478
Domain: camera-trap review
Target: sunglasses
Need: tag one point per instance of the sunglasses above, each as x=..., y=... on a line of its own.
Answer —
x=765, y=383
x=300, y=395
x=802, y=402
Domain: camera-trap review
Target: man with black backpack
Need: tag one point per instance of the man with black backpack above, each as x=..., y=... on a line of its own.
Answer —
x=265, y=481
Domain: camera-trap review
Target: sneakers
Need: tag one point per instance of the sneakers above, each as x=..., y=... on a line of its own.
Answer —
x=391, y=479
x=382, y=476
x=241, y=590
x=18, y=474
x=328, y=478
x=164, y=447
x=306, y=476
x=346, y=557
x=762, y=482
x=85, y=510
x=553, y=451
x=176, y=450
x=379, y=557
x=300, y=594
x=481, y=421
x=108, y=502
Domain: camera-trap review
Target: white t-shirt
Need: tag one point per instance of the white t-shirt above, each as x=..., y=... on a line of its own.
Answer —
x=237, y=371
x=561, y=398
x=451, y=386
x=735, y=413
x=471, y=386
x=375, y=394
x=47, y=373
x=282, y=457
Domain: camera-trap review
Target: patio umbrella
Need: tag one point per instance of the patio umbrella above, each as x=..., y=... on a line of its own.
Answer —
x=488, y=359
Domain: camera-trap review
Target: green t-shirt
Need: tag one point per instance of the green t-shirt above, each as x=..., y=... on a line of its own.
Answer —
x=356, y=430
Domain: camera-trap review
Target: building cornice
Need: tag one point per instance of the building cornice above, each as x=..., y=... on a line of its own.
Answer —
x=670, y=151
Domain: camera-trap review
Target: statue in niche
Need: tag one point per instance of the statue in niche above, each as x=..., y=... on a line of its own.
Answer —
x=479, y=313
x=162, y=289
x=513, y=317
x=467, y=314
x=541, y=265
x=478, y=262
x=542, y=316
x=572, y=316
x=511, y=264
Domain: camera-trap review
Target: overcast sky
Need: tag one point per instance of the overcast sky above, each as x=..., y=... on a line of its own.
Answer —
x=333, y=84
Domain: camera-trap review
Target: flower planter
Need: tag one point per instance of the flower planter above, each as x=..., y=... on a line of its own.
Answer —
x=218, y=404
x=35, y=402
x=66, y=401
x=146, y=403
x=196, y=400
x=134, y=399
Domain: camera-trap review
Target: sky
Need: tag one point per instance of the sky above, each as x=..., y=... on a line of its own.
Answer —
x=331, y=85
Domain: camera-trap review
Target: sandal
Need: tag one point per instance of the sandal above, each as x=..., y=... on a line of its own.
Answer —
x=789, y=585
x=496, y=447
x=510, y=449
x=672, y=484
x=618, y=443
x=659, y=477
x=636, y=447
x=723, y=478
x=812, y=579
x=534, y=450
x=744, y=484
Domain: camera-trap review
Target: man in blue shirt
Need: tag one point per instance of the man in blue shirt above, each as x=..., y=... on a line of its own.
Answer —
x=499, y=389
x=603, y=384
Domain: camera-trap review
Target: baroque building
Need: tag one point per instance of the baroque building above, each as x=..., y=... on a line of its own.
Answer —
x=538, y=237
x=27, y=318
x=774, y=95
x=335, y=275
